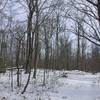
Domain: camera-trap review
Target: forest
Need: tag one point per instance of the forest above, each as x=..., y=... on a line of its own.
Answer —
x=44, y=41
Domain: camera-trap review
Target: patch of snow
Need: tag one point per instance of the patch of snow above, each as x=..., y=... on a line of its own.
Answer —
x=77, y=85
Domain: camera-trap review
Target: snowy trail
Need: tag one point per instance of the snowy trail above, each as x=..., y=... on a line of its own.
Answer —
x=78, y=87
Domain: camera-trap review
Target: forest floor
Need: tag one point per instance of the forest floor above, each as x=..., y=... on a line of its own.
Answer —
x=60, y=85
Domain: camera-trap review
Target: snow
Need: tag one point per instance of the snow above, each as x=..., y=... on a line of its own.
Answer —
x=77, y=85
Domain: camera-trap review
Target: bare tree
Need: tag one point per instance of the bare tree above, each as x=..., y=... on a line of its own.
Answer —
x=31, y=7
x=19, y=36
x=91, y=19
x=36, y=54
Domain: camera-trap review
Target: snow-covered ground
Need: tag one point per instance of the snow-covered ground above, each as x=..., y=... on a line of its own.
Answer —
x=69, y=85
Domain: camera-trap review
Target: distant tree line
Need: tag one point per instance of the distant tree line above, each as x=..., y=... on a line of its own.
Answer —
x=45, y=40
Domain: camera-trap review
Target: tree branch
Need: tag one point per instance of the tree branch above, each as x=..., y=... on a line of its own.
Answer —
x=91, y=3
